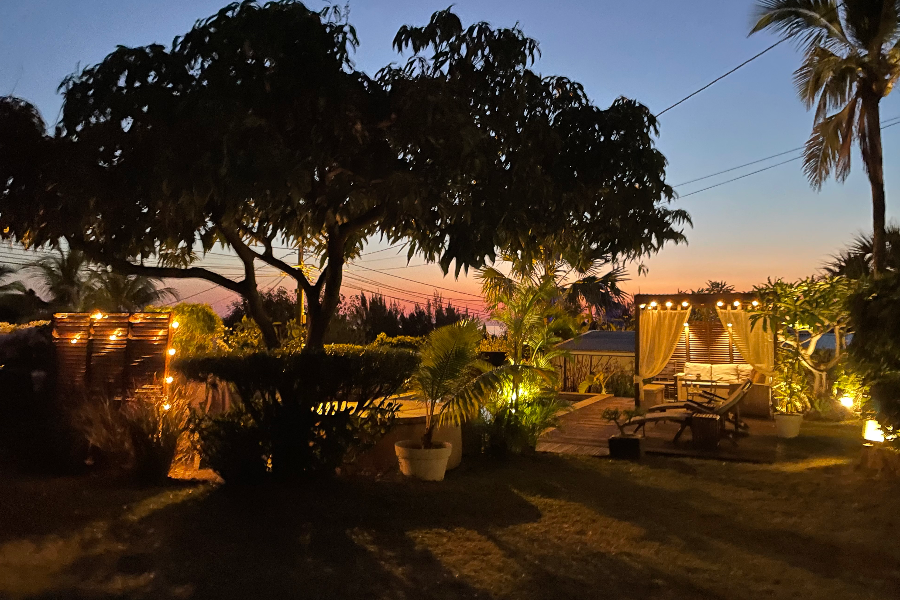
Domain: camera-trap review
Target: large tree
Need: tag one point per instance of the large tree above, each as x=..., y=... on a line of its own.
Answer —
x=851, y=62
x=254, y=130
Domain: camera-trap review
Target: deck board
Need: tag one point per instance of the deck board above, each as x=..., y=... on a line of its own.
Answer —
x=583, y=431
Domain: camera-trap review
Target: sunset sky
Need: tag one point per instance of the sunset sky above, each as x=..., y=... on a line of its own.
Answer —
x=771, y=224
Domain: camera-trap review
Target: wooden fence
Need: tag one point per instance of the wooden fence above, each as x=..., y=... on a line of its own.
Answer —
x=120, y=355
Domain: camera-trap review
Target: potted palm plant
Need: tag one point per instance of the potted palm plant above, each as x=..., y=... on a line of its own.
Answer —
x=791, y=387
x=447, y=382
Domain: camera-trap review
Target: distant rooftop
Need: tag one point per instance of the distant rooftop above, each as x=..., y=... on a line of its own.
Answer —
x=601, y=341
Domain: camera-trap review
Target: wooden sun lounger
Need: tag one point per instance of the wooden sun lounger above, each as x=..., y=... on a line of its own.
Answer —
x=682, y=412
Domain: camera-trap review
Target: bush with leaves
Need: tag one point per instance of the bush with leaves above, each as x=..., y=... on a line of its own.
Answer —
x=299, y=414
x=137, y=435
x=200, y=330
x=875, y=351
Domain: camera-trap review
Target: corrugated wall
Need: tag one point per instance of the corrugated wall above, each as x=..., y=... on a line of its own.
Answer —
x=113, y=354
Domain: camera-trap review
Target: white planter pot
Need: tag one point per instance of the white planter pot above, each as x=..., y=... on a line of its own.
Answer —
x=788, y=425
x=429, y=464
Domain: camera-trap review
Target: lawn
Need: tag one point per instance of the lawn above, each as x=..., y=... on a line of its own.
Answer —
x=535, y=527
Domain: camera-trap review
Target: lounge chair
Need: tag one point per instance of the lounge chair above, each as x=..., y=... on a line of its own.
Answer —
x=727, y=408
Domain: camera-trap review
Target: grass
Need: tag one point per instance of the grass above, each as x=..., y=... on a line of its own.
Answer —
x=536, y=527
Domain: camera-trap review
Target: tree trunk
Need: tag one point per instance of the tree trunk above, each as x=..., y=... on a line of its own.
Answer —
x=322, y=306
x=262, y=319
x=875, y=169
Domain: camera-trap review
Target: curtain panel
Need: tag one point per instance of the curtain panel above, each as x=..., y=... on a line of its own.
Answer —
x=659, y=333
x=757, y=345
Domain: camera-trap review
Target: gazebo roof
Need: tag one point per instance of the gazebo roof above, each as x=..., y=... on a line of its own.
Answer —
x=601, y=341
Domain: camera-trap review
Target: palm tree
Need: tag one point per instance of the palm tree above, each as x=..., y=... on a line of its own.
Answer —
x=851, y=62
x=114, y=292
x=855, y=261
x=447, y=377
x=64, y=277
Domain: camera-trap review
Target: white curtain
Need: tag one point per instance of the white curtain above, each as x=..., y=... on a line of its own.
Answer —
x=659, y=334
x=757, y=345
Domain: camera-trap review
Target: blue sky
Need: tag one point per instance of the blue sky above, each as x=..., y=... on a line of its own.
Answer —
x=655, y=51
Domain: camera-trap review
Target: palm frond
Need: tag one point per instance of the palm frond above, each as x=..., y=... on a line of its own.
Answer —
x=808, y=22
x=828, y=148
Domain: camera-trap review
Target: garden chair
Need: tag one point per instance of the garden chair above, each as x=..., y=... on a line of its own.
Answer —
x=682, y=412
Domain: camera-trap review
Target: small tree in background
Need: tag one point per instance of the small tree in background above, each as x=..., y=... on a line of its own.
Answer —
x=800, y=313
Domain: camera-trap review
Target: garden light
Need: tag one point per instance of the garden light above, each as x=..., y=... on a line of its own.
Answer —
x=113, y=337
x=167, y=406
x=171, y=351
x=97, y=315
x=872, y=431
x=74, y=340
x=847, y=401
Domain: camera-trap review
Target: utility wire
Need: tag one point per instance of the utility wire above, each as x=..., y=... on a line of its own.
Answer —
x=720, y=78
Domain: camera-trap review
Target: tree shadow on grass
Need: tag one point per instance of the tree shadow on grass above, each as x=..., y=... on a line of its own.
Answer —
x=704, y=523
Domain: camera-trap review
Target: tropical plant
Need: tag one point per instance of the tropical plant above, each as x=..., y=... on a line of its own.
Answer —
x=790, y=383
x=851, y=62
x=800, y=313
x=604, y=374
x=138, y=435
x=462, y=150
x=855, y=261
x=875, y=351
x=114, y=292
x=65, y=278
x=447, y=380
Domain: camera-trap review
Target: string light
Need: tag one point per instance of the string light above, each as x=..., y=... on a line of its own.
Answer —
x=175, y=324
x=97, y=315
x=720, y=303
x=737, y=302
x=653, y=304
x=170, y=379
x=643, y=306
x=171, y=351
x=113, y=337
x=74, y=340
x=755, y=303
x=167, y=406
x=668, y=305
x=685, y=305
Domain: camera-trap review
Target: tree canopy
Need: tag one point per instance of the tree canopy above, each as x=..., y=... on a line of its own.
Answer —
x=255, y=130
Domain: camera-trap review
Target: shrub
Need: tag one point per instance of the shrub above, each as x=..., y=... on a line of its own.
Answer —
x=137, y=435
x=502, y=430
x=200, y=330
x=299, y=414
x=404, y=342
x=875, y=351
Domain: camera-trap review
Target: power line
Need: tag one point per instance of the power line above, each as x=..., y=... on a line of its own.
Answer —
x=419, y=282
x=720, y=78
x=888, y=124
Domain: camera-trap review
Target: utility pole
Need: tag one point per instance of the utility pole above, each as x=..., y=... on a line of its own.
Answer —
x=301, y=318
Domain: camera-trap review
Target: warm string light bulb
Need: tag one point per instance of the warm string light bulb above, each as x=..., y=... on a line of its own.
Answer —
x=755, y=303
x=720, y=303
x=175, y=324
x=653, y=304
x=643, y=306
x=737, y=302
x=170, y=379
x=668, y=305
x=684, y=304
x=97, y=315
x=167, y=406
x=171, y=351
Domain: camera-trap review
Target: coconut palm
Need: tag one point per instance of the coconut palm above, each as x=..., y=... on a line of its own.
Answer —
x=64, y=277
x=446, y=379
x=851, y=61
x=114, y=292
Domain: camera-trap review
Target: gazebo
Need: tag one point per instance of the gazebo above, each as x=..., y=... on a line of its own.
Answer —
x=687, y=341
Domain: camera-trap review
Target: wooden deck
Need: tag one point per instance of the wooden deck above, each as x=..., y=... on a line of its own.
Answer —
x=583, y=431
